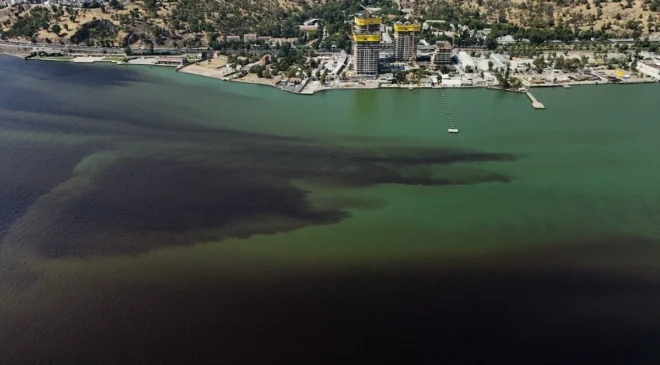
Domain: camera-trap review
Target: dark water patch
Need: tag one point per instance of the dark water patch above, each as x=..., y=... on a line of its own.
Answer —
x=367, y=167
x=166, y=176
x=60, y=88
x=26, y=175
x=16, y=69
x=181, y=196
x=169, y=197
x=88, y=122
x=539, y=306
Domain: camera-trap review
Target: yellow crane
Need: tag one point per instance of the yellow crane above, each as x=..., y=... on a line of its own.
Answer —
x=366, y=10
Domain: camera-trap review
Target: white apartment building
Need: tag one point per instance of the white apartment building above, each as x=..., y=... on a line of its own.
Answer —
x=650, y=67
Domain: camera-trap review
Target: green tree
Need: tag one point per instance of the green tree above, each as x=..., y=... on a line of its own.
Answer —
x=539, y=63
x=151, y=5
x=490, y=65
x=56, y=29
x=491, y=43
x=115, y=4
x=584, y=60
x=503, y=79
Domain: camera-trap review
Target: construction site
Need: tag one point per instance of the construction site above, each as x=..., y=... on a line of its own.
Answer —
x=379, y=50
x=366, y=44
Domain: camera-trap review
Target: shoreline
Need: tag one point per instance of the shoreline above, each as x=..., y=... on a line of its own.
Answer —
x=413, y=87
x=12, y=54
x=304, y=91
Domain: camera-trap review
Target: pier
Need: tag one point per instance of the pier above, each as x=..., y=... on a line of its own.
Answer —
x=535, y=103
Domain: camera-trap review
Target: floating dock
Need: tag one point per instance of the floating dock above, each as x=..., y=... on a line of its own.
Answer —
x=535, y=103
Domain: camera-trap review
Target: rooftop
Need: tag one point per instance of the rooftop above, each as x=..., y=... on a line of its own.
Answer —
x=651, y=64
x=443, y=45
x=406, y=27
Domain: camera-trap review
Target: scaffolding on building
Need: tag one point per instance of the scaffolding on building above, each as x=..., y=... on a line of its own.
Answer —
x=366, y=44
x=405, y=47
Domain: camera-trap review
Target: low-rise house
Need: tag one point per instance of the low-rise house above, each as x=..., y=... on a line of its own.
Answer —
x=171, y=61
x=309, y=28
x=249, y=37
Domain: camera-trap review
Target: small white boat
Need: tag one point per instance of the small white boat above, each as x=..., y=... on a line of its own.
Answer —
x=411, y=88
x=566, y=86
x=452, y=130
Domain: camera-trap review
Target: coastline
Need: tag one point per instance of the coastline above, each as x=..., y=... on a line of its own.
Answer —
x=198, y=70
x=13, y=54
x=316, y=90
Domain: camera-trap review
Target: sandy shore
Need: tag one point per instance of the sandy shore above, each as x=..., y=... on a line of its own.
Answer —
x=220, y=72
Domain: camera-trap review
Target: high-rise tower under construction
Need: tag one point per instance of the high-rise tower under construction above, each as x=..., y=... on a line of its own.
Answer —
x=366, y=44
x=405, y=46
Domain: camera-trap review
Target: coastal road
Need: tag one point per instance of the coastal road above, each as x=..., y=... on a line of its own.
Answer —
x=45, y=47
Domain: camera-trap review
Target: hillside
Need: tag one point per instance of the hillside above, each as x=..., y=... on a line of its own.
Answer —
x=145, y=23
x=175, y=23
x=614, y=16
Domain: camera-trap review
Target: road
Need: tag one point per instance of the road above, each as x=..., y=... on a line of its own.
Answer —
x=86, y=49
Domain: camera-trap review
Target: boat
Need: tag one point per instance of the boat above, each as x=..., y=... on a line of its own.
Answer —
x=452, y=130
x=411, y=88
x=566, y=86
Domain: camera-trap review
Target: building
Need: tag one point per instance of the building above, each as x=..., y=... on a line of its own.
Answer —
x=447, y=82
x=386, y=78
x=233, y=38
x=309, y=28
x=499, y=61
x=249, y=37
x=280, y=41
x=442, y=55
x=651, y=68
x=405, y=46
x=314, y=21
x=466, y=62
x=628, y=41
x=483, y=34
x=74, y=3
x=340, y=63
x=366, y=44
x=171, y=61
x=508, y=39
x=387, y=43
